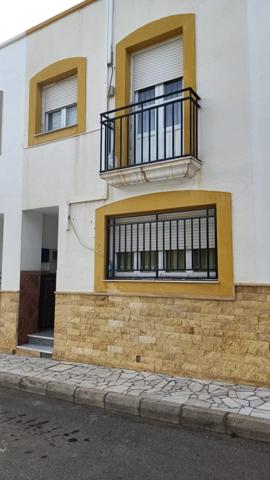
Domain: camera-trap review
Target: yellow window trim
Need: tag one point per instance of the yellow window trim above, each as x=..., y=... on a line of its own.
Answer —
x=148, y=35
x=166, y=201
x=52, y=73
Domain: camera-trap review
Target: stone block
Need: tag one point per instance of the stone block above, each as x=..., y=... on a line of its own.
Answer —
x=11, y=380
x=34, y=385
x=121, y=403
x=89, y=396
x=248, y=427
x=198, y=417
x=164, y=412
x=63, y=391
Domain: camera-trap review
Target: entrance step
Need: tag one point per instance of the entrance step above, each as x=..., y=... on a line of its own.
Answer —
x=38, y=339
x=39, y=344
x=36, y=350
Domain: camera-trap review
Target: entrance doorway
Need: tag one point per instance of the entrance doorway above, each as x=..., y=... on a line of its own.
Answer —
x=38, y=279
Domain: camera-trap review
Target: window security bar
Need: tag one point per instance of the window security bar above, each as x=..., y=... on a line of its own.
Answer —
x=163, y=246
x=157, y=129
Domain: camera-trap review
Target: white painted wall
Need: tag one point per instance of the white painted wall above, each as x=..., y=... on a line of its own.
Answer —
x=12, y=82
x=1, y=243
x=259, y=73
x=32, y=224
x=232, y=47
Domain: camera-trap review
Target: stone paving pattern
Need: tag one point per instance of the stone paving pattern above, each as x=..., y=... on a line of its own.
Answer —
x=233, y=398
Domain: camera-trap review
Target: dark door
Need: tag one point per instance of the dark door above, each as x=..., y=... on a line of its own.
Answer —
x=47, y=301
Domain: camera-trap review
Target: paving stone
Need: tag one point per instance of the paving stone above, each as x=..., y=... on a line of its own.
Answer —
x=61, y=367
x=264, y=406
x=249, y=400
x=256, y=403
x=229, y=402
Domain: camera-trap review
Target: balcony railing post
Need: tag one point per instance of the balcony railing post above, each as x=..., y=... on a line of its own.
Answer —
x=101, y=145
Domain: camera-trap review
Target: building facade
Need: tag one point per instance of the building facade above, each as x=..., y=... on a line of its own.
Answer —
x=133, y=183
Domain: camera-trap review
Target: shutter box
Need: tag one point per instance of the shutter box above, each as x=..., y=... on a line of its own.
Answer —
x=157, y=64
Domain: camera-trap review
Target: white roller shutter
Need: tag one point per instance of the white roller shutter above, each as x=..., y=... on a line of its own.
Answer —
x=136, y=237
x=60, y=94
x=157, y=64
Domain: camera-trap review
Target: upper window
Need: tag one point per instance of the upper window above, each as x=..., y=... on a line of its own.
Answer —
x=156, y=83
x=178, y=245
x=59, y=104
x=57, y=101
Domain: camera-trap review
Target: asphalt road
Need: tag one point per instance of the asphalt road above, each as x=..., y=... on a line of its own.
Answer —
x=49, y=439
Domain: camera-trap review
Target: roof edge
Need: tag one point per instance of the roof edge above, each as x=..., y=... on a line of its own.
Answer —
x=59, y=16
x=12, y=40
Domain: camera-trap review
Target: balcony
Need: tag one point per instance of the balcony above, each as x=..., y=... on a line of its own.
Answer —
x=152, y=140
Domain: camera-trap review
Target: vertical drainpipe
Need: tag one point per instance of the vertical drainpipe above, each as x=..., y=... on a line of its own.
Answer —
x=110, y=8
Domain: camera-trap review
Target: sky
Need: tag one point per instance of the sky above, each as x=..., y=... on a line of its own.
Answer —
x=19, y=15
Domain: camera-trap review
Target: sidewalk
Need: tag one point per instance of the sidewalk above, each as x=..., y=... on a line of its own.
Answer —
x=228, y=408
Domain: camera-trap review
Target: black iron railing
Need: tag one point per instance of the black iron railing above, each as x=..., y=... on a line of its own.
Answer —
x=157, y=129
x=177, y=245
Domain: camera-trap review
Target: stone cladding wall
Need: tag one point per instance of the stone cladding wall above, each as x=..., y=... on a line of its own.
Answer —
x=9, y=302
x=216, y=339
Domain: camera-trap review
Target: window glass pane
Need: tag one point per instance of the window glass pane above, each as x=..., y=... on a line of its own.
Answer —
x=172, y=87
x=149, y=261
x=175, y=260
x=125, y=261
x=54, y=120
x=71, y=115
x=148, y=117
x=199, y=259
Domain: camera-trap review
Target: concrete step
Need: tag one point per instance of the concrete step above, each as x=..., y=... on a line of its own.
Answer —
x=40, y=339
x=40, y=350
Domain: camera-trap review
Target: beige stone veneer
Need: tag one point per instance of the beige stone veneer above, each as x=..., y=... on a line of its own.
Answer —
x=221, y=339
x=9, y=302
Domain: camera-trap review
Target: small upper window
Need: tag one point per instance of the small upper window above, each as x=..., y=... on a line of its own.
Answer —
x=59, y=104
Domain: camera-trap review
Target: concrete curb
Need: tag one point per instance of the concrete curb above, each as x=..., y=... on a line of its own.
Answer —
x=167, y=412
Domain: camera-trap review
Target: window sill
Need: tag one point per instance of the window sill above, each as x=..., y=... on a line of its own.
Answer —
x=58, y=134
x=62, y=129
x=152, y=280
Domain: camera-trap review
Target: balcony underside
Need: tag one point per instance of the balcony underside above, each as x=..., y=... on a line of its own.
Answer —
x=153, y=172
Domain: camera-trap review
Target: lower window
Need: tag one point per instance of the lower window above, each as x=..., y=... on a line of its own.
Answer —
x=178, y=245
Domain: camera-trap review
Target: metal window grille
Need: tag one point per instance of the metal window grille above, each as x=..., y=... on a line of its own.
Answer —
x=178, y=245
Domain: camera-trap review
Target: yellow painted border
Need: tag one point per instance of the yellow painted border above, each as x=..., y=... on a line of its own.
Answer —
x=54, y=72
x=147, y=35
x=166, y=201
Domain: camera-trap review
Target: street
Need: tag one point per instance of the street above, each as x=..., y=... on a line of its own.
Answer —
x=43, y=438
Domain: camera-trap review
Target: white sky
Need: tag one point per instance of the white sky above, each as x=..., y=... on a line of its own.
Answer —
x=18, y=15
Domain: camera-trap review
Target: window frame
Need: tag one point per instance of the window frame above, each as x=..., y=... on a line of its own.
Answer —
x=63, y=111
x=152, y=239
x=223, y=288
x=51, y=74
